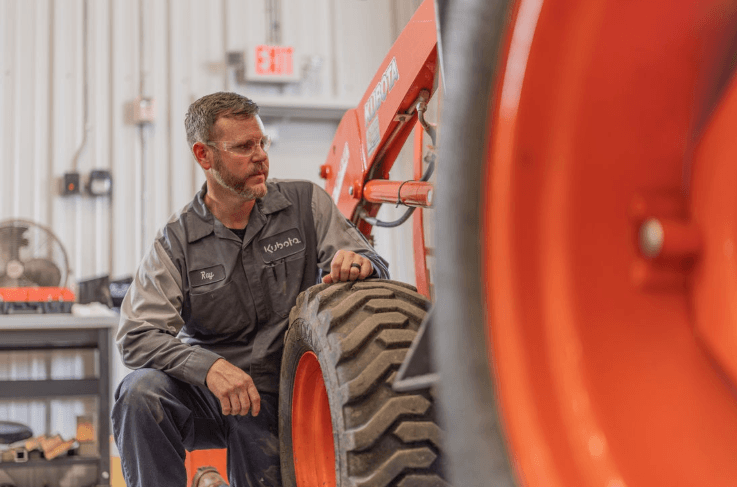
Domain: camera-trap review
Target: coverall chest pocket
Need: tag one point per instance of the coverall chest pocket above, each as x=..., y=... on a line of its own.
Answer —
x=215, y=311
x=283, y=279
x=284, y=256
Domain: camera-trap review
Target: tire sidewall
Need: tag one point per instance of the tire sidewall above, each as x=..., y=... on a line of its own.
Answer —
x=302, y=337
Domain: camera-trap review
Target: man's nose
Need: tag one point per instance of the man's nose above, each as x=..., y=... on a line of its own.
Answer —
x=259, y=154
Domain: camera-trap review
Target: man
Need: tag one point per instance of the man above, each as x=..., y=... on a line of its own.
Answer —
x=204, y=320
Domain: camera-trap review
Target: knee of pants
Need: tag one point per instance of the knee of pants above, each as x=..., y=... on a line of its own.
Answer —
x=141, y=391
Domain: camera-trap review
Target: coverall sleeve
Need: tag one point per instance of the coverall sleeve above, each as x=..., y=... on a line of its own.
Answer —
x=150, y=320
x=335, y=232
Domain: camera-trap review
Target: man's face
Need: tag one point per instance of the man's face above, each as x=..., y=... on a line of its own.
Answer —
x=243, y=175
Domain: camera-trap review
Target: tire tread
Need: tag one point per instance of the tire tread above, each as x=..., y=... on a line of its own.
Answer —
x=390, y=438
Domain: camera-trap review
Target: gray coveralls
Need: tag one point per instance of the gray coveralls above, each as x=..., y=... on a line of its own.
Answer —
x=200, y=294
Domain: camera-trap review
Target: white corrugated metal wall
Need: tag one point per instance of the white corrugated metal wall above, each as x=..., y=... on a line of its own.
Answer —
x=69, y=73
x=70, y=70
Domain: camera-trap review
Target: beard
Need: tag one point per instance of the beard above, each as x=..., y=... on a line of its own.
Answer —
x=237, y=185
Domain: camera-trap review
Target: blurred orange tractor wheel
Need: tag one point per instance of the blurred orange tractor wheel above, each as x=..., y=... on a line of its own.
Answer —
x=607, y=220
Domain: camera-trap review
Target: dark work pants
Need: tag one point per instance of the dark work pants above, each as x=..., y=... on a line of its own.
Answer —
x=156, y=417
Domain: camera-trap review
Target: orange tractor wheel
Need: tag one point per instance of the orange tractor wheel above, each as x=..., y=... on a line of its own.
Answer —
x=340, y=421
x=587, y=231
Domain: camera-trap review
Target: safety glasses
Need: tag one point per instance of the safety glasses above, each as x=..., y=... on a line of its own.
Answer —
x=242, y=148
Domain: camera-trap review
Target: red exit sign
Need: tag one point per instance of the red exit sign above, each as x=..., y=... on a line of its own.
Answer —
x=274, y=61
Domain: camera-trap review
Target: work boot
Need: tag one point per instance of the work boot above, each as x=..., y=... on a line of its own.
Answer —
x=208, y=477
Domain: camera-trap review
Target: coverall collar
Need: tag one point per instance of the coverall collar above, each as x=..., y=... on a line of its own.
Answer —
x=201, y=222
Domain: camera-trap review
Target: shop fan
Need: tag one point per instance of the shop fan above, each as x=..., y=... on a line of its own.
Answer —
x=34, y=268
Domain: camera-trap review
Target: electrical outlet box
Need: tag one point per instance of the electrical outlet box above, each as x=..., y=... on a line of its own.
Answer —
x=100, y=183
x=70, y=184
x=144, y=110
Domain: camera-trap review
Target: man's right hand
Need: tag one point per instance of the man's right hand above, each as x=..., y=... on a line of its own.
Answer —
x=234, y=389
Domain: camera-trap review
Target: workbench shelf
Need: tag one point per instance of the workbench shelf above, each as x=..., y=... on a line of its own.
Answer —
x=56, y=332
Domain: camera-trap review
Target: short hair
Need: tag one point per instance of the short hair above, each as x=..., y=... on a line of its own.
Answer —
x=203, y=113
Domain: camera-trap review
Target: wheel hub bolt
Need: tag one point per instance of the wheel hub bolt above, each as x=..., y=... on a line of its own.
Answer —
x=668, y=238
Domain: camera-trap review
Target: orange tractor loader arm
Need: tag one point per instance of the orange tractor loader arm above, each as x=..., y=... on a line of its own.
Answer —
x=370, y=136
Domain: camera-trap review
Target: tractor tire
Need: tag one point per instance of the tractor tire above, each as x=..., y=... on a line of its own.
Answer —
x=340, y=422
x=476, y=448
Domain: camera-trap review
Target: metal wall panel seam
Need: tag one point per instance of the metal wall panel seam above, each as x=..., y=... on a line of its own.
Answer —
x=100, y=121
x=4, y=36
x=14, y=146
x=337, y=51
x=66, y=51
x=109, y=97
x=143, y=91
x=224, y=32
x=51, y=114
x=126, y=149
x=181, y=94
x=191, y=76
x=41, y=84
x=158, y=67
x=167, y=135
x=85, y=88
x=81, y=215
x=207, y=55
x=24, y=153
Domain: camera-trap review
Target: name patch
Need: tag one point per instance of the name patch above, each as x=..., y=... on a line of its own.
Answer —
x=208, y=275
x=281, y=245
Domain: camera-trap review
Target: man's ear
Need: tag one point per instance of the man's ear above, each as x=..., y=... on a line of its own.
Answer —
x=201, y=154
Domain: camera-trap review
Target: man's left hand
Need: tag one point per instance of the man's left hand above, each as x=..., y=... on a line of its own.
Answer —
x=348, y=266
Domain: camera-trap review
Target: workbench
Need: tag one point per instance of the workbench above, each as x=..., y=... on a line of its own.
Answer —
x=30, y=332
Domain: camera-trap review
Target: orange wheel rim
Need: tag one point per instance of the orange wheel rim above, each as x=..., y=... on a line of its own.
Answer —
x=312, y=429
x=615, y=368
